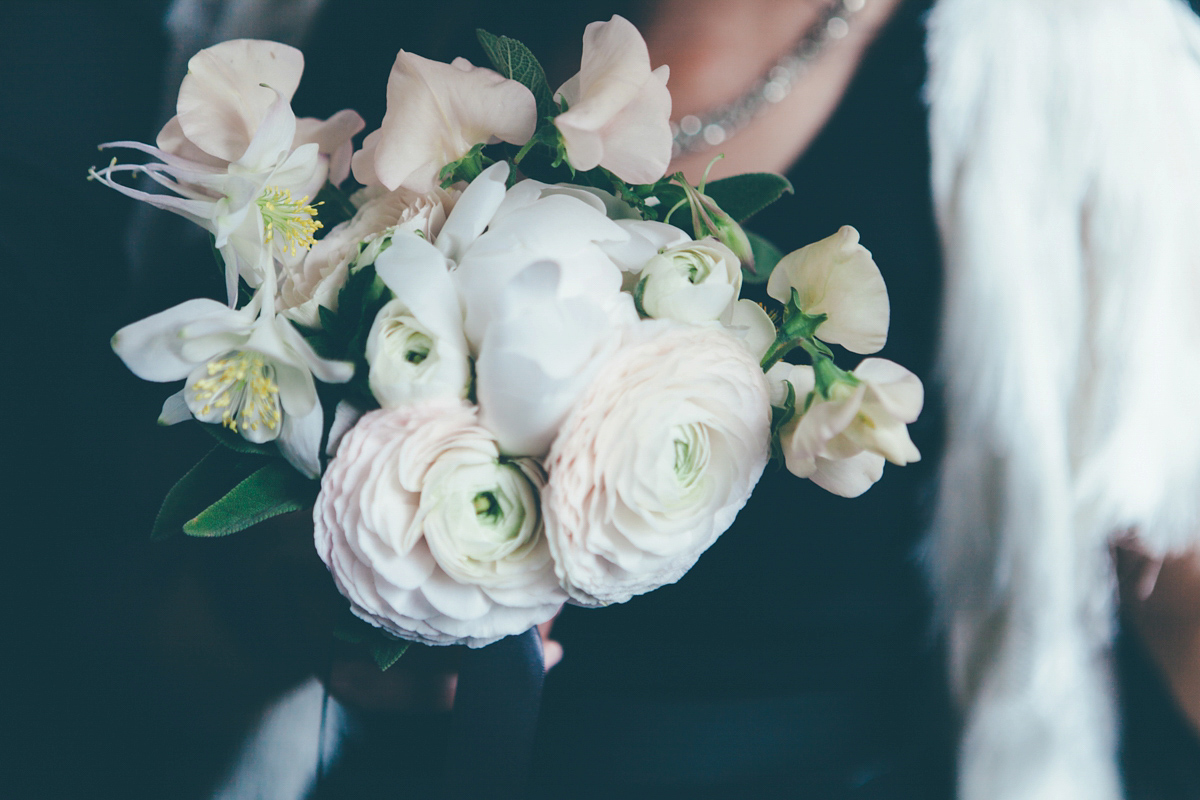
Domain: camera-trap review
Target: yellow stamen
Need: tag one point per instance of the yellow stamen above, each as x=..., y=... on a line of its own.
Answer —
x=294, y=221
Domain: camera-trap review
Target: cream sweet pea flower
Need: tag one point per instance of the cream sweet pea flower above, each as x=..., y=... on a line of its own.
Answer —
x=618, y=110
x=655, y=460
x=691, y=282
x=430, y=534
x=248, y=370
x=436, y=113
x=416, y=348
x=841, y=443
x=837, y=277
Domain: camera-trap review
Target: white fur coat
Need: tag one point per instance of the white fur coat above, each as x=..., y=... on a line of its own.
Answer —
x=1066, y=142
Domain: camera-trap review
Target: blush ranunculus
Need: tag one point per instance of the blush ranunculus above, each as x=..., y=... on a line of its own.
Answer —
x=655, y=460
x=430, y=534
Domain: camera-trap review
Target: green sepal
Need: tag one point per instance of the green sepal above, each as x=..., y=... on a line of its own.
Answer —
x=780, y=416
x=200, y=486
x=333, y=208
x=466, y=168
x=743, y=196
x=273, y=489
x=766, y=257
x=514, y=60
x=237, y=442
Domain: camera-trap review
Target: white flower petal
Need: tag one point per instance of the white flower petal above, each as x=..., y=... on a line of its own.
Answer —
x=222, y=100
x=848, y=477
x=151, y=348
x=174, y=410
x=300, y=440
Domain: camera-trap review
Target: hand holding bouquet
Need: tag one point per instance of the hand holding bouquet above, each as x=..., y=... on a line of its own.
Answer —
x=513, y=367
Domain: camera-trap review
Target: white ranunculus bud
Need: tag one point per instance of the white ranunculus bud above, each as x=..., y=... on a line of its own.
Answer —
x=655, y=460
x=416, y=348
x=430, y=534
x=410, y=362
x=837, y=277
x=691, y=282
x=842, y=442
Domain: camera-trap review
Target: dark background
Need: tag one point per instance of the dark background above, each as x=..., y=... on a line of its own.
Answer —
x=133, y=667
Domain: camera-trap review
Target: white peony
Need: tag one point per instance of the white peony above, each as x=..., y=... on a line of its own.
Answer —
x=618, y=109
x=436, y=113
x=430, y=534
x=837, y=276
x=655, y=460
x=841, y=443
x=690, y=282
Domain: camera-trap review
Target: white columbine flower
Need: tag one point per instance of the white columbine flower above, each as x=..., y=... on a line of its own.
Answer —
x=691, y=282
x=248, y=370
x=841, y=443
x=416, y=347
x=234, y=161
x=618, y=110
x=432, y=535
x=436, y=113
x=837, y=277
x=655, y=460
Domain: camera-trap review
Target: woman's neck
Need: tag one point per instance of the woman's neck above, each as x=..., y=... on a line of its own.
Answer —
x=718, y=49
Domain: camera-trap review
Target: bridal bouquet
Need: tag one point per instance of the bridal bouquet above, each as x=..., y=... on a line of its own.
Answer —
x=511, y=367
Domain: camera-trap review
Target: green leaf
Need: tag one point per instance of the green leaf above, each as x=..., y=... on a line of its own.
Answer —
x=766, y=256
x=203, y=484
x=386, y=650
x=236, y=442
x=271, y=490
x=743, y=196
x=514, y=60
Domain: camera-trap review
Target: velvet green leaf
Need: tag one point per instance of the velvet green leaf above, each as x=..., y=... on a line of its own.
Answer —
x=743, y=196
x=273, y=489
x=203, y=484
x=514, y=60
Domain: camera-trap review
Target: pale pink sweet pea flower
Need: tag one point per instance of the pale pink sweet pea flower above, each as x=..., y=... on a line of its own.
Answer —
x=238, y=162
x=225, y=98
x=837, y=276
x=436, y=113
x=841, y=443
x=618, y=109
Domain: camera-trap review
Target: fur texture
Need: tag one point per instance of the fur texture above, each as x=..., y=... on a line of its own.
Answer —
x=1066, y=142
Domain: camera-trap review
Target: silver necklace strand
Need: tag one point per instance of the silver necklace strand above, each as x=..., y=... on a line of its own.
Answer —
x=694, y=133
